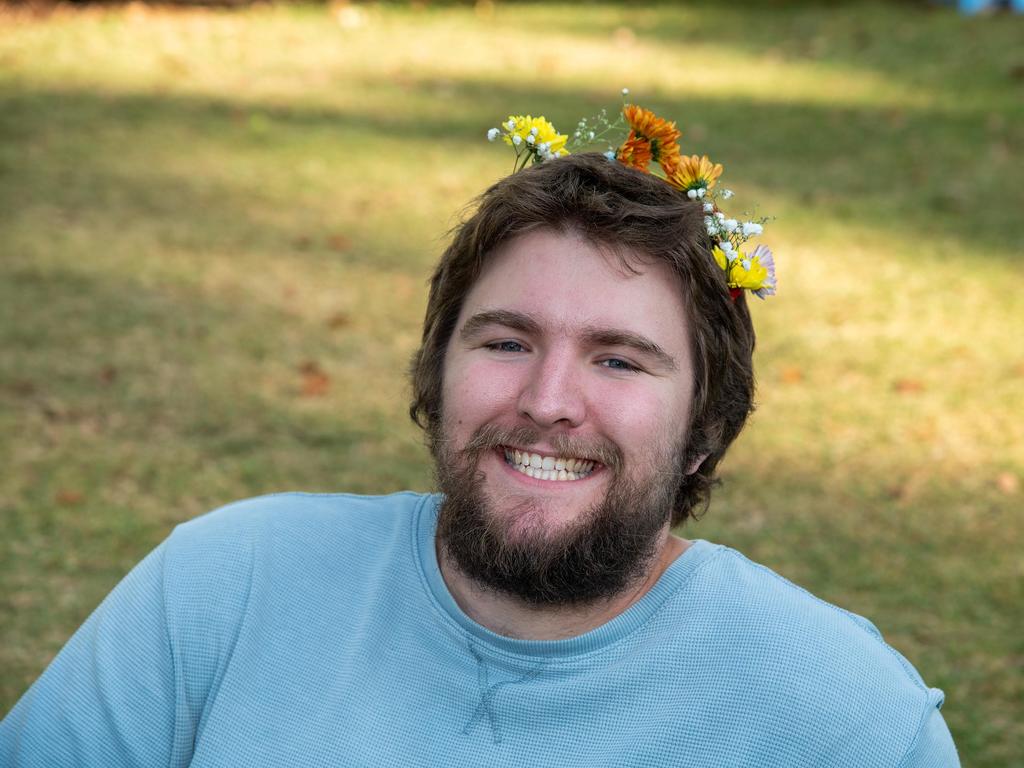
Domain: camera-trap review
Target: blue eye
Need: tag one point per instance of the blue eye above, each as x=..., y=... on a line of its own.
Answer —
x=617, y=364
x=505, y=346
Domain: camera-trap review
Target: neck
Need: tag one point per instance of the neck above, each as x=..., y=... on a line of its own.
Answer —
x=512, y=617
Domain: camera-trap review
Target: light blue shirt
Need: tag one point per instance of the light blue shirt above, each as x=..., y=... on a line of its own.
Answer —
x=316, y=630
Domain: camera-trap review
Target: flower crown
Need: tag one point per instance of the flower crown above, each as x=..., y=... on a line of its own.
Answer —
x=652, y=139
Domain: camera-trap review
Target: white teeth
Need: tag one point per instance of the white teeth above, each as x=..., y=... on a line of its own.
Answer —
x=549, y=468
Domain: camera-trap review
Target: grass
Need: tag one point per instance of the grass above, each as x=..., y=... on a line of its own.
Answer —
x=215, y=228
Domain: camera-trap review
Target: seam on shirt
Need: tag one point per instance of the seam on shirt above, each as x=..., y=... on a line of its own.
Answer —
x=214, y=690
x=175, y=668
x=929, y=710
x=852, y=617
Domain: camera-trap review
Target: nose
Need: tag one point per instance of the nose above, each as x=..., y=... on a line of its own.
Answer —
x=552, y=393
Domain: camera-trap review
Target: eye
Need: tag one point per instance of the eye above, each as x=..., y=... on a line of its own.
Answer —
x=505, y=346
x=618, y=364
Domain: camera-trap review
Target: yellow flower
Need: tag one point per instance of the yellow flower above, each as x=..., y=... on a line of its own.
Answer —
x=662, y=134
x=753, y=272
x=753, y=278
x=721, y=258
x=523, y=126
x=694, y=173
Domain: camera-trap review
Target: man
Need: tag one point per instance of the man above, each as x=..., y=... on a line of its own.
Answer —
x=583, y=370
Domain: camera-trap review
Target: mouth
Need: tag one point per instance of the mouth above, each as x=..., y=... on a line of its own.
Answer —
x=552, y=468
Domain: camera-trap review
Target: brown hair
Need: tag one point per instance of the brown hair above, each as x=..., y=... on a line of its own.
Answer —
x=638, y=217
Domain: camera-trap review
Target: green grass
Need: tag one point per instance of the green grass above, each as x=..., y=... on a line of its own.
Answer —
x=195, y=205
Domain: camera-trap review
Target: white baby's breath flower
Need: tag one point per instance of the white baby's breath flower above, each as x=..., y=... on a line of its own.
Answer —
x=534, y=131
x=727, y=193
x=531, y=138
x=709, y=207
x=701, y=192
x=726, y=246
x=692, y=194
x=590, y=135
x=730, y=225
x=492, y=134
x=511, y=125
x=517, y=139
x=751, y=228
x=610, y=154
x=625, y=91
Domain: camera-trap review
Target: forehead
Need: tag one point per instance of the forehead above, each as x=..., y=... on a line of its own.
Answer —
x=565, y=282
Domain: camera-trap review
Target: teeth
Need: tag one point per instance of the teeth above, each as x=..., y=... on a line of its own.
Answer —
x=548, y=467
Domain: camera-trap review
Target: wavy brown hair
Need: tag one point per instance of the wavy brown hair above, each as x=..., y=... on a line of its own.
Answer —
x=639, y=218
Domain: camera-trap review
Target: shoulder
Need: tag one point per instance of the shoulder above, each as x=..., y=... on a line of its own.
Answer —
x=294, y=511
x=822, y=672
x=215, y=563
x=233, y=572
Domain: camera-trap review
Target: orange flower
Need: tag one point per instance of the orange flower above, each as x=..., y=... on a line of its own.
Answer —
x=694, y=172
x=662, y=134
x=635, y=153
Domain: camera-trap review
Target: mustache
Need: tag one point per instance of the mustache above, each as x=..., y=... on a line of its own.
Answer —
x=491, y=436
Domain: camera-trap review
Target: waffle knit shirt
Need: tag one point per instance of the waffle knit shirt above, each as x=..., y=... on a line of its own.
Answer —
x=316, y=630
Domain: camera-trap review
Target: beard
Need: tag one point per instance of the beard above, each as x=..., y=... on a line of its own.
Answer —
x=598, y=556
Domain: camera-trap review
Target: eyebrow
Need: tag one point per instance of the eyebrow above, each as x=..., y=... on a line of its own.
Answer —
x=593, y=336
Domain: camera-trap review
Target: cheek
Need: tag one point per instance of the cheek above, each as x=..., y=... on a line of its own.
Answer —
x=478, y=390
x=645, y=419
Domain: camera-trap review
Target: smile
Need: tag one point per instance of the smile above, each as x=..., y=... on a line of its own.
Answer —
x=548, y=467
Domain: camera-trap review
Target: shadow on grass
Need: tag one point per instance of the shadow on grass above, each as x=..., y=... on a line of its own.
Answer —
x=883, y=170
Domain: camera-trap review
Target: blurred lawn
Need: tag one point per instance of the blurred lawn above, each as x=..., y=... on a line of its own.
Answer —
x=215, y=229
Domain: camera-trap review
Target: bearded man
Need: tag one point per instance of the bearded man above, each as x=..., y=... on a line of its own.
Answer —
x=584, y=368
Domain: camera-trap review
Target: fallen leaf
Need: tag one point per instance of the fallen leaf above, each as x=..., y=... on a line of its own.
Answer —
x=1008, y=483
x=624, y=37
x=23, y=387
x=315, y=382
x=339, y=320
x=792, y=374
x=68, y=498
x=339, y=243
x=908, y=386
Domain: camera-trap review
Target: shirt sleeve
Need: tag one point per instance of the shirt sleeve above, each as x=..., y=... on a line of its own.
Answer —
x=933, y=747
x=108, y=698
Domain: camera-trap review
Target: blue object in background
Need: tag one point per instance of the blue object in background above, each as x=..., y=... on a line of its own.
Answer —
x=972, y=7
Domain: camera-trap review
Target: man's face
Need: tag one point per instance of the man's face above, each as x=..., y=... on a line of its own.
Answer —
x=567, y=391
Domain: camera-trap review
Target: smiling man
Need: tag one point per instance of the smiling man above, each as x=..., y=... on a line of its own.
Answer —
x=584, y=368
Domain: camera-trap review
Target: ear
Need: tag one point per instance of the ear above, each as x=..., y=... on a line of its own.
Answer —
x=695, y=464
